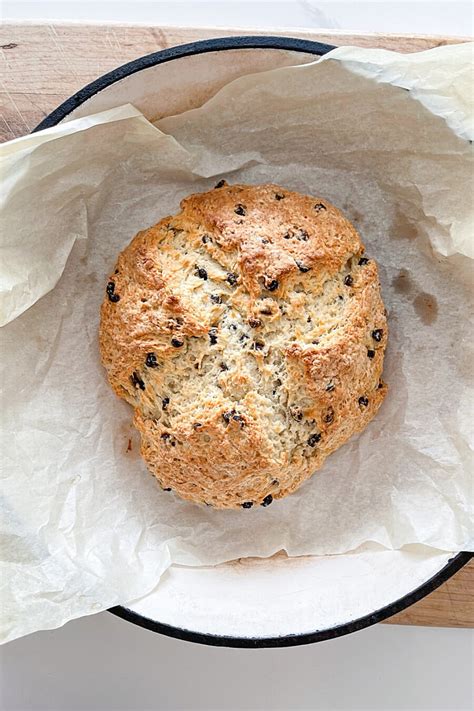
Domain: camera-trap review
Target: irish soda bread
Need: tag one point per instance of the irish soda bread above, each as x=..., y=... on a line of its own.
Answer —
x=248, y=333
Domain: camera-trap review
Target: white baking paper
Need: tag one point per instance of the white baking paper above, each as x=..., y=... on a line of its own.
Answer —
x=384, y=137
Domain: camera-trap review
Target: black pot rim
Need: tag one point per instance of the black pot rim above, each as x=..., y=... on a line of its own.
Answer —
x=454, y=564
x=183, y=50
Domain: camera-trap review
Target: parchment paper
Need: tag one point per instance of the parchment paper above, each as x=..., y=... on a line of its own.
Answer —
x=381, y=135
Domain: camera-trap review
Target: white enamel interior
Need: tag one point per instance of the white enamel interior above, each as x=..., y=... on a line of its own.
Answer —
x=182, y=84
x=286, y=596
x=254, y=597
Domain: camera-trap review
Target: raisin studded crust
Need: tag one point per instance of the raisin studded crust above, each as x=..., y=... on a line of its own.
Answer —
x=248, y=333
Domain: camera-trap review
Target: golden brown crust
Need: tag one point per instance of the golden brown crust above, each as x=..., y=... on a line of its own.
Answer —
x=248, y=332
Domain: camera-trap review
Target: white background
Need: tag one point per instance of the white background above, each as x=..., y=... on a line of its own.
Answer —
x=104, y=663
x=448, y=17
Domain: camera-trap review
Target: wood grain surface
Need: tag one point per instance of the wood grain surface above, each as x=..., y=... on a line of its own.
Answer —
x=42, y=65
x=451, y=605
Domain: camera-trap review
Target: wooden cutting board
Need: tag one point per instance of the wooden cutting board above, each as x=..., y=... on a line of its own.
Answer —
x=42, y=65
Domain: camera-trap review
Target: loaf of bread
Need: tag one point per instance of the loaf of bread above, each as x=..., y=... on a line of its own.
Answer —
x=248, y=333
